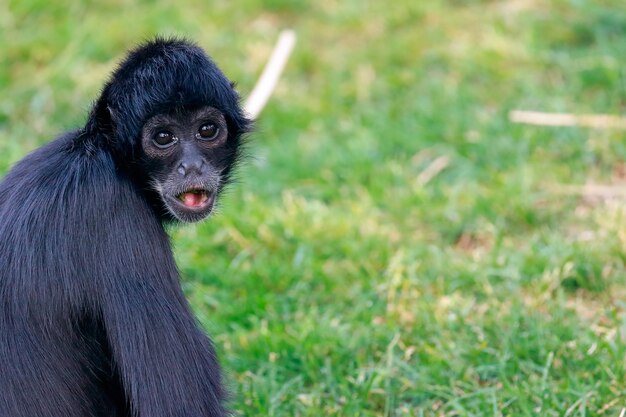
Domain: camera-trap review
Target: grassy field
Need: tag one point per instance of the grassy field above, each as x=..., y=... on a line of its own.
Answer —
x=343, y=275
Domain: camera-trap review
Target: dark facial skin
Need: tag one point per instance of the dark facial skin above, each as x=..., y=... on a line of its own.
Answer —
x=186, y=154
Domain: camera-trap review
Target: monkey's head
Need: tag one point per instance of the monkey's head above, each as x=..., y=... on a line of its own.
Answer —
x=172, y=119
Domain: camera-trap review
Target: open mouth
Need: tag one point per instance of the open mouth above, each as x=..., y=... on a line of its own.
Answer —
x=195, y=199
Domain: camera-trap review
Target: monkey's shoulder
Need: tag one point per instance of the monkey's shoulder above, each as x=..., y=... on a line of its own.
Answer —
x=67, y=181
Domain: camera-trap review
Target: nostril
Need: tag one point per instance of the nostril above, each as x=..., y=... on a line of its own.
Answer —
x=182, y=169
x=197, y=166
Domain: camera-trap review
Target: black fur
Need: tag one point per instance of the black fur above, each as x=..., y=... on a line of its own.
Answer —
x=92, y=318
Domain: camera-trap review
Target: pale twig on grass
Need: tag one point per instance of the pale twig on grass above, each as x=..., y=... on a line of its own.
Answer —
x=267, y=82
x=432, y=170
x=598, y=121
x=590, y=190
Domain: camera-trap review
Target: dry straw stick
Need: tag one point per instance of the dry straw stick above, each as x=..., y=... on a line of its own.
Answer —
x=602, y=191
x=600, y=121
x=266, y=83
x=433, y=170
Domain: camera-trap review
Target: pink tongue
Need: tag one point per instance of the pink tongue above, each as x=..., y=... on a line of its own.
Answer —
x=192, y=199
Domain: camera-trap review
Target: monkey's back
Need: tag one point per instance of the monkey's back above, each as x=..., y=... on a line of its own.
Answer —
x=54, y=354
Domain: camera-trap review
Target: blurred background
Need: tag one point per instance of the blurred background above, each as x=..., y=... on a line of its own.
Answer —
x=395, y=245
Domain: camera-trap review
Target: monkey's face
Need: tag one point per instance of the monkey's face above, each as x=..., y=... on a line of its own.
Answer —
x=187, y=159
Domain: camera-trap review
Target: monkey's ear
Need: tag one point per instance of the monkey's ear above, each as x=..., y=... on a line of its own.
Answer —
x=100, y=121
x=104, y=117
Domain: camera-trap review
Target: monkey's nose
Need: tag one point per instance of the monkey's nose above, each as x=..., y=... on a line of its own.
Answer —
x=196, y=166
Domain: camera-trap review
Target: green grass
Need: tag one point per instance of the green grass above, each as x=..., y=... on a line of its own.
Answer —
x=336, y=282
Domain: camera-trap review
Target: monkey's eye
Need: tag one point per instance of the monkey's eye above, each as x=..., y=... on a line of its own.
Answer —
x=208, y=132
x=164, y=140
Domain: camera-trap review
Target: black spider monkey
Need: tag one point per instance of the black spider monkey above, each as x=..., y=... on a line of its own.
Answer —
x=92, y=318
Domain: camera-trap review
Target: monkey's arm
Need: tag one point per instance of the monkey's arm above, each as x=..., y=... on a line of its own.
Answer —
x=166, y=365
